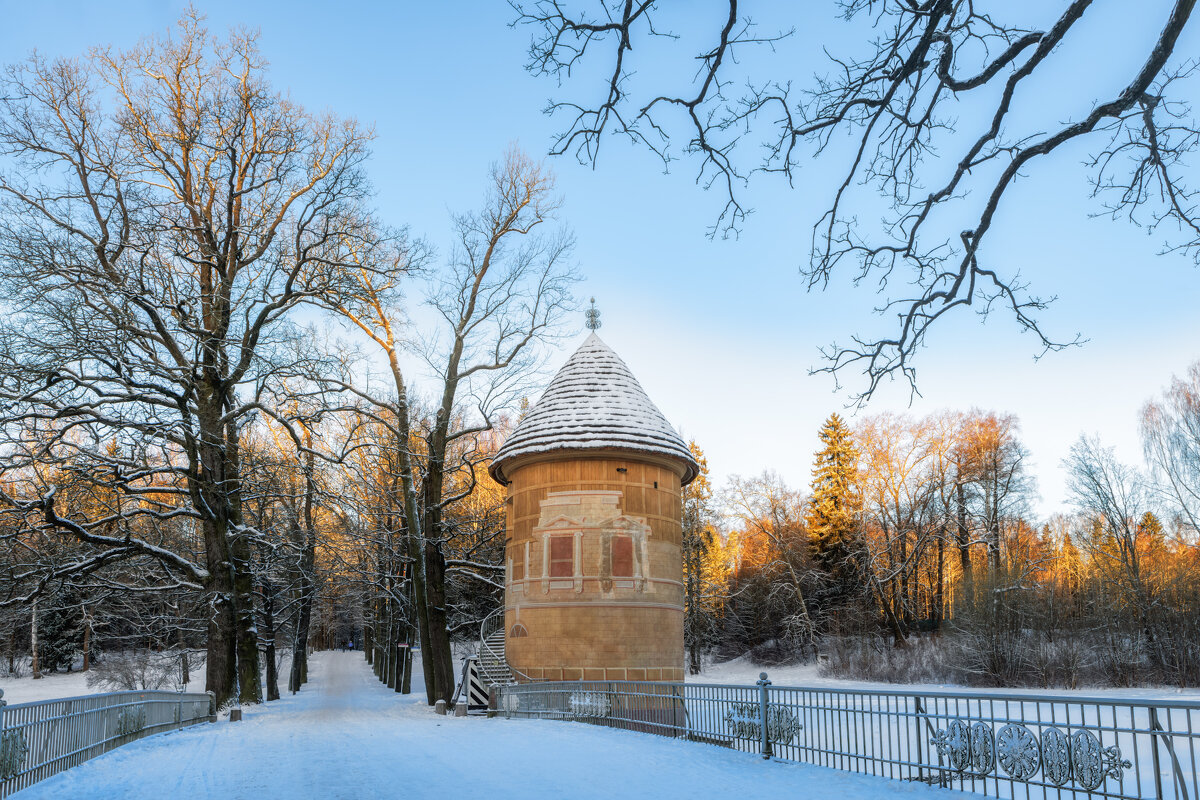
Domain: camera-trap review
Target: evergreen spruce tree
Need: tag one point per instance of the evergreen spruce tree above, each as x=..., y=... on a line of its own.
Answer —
x=833, y=511
x=704, y=574
x=61, y=632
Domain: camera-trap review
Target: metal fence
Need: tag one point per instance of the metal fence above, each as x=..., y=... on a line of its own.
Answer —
x=1004, y=745
x=41, y=739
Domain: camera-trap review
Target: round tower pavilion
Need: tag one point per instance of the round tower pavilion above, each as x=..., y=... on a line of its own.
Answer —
x=593, y=585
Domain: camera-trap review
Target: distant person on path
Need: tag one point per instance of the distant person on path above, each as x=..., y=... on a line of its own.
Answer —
x=350, y=645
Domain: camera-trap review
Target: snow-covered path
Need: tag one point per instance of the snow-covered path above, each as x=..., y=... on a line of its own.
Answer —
x=347, y=736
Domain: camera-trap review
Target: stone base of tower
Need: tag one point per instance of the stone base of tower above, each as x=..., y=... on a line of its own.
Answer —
x=597, y=642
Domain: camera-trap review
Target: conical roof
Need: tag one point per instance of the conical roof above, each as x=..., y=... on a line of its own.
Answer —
x=594, y=403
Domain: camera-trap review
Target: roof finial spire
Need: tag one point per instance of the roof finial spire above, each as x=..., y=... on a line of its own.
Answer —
x=593, y=317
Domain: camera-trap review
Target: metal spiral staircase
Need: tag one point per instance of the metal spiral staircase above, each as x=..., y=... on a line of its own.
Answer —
x=489, y=665
x=493, y=664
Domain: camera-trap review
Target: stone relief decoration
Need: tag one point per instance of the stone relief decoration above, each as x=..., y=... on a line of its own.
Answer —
x=590, y=704
x=12, y=753
x=743, y=721
x=1017, y=752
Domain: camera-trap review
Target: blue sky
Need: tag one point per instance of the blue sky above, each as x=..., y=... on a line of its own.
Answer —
x=735, y=332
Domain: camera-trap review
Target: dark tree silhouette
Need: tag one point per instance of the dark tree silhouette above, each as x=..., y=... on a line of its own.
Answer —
x=928, y=111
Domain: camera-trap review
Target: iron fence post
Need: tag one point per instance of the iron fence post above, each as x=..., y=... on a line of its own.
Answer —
x=763, y=683
x=920, y=713
x=1158, y=790
x=612, y=703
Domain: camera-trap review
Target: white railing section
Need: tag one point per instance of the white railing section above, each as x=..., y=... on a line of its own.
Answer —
x=488, y=654
x=41, y=739
x=1000, y=744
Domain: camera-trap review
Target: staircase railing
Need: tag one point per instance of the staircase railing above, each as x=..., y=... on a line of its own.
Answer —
x=491, y=623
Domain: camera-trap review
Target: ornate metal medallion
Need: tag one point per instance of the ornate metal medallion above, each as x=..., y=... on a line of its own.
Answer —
x=741, y=720
x=1017, y=752
x=983, y=748
x=953, y=742
x=1093, y=763
x=744, y=721
x=589, y=704
x=782, y=725
x=1056, y=756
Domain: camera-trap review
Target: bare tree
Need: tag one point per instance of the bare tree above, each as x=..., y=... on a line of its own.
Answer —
x=774, y=515
x=504, y=289
x=1171, y=434
x=928, y=109
x=162, y=213
x=1114, y=497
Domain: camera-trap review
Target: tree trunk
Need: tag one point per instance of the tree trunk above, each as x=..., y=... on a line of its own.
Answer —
x=185, y=668
x=87, y=642
x=414, y=527
x=299, y=672
x=439, y=653
x=232, y=666
x=249, y=668
x=409, y=640
x=964, y=534
x=393, y=638
x=368, y=637
x=304, y=533
x=939, y=593
x=993, y=523
x=33, y=642
x=268, y=615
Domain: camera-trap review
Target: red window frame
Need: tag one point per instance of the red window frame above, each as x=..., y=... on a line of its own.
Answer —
x=622, y=557
x=562, y=556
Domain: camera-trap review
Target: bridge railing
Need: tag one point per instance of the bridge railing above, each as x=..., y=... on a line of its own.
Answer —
x=999, y=744
x=41, y=739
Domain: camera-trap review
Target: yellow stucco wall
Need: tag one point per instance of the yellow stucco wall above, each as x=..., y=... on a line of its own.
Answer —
x=592, y=625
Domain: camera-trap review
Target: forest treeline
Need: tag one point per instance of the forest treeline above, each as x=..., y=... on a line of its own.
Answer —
x=915, y=556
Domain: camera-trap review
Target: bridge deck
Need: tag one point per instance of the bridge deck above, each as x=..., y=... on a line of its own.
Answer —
x=347, y=736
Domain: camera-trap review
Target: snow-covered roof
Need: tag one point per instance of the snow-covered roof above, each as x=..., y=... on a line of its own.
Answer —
x=594, y=403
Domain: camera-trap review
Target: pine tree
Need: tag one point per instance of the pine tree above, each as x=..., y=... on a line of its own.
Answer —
x=704, y=574
x=61, y=634
x=833, y=510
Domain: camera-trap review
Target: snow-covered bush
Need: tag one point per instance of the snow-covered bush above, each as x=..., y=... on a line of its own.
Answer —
x=132, y=670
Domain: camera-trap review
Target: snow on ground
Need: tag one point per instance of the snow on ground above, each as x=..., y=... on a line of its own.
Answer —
x=50, y=686
x=347, y=736
x=57, y=685
x=743, y=671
